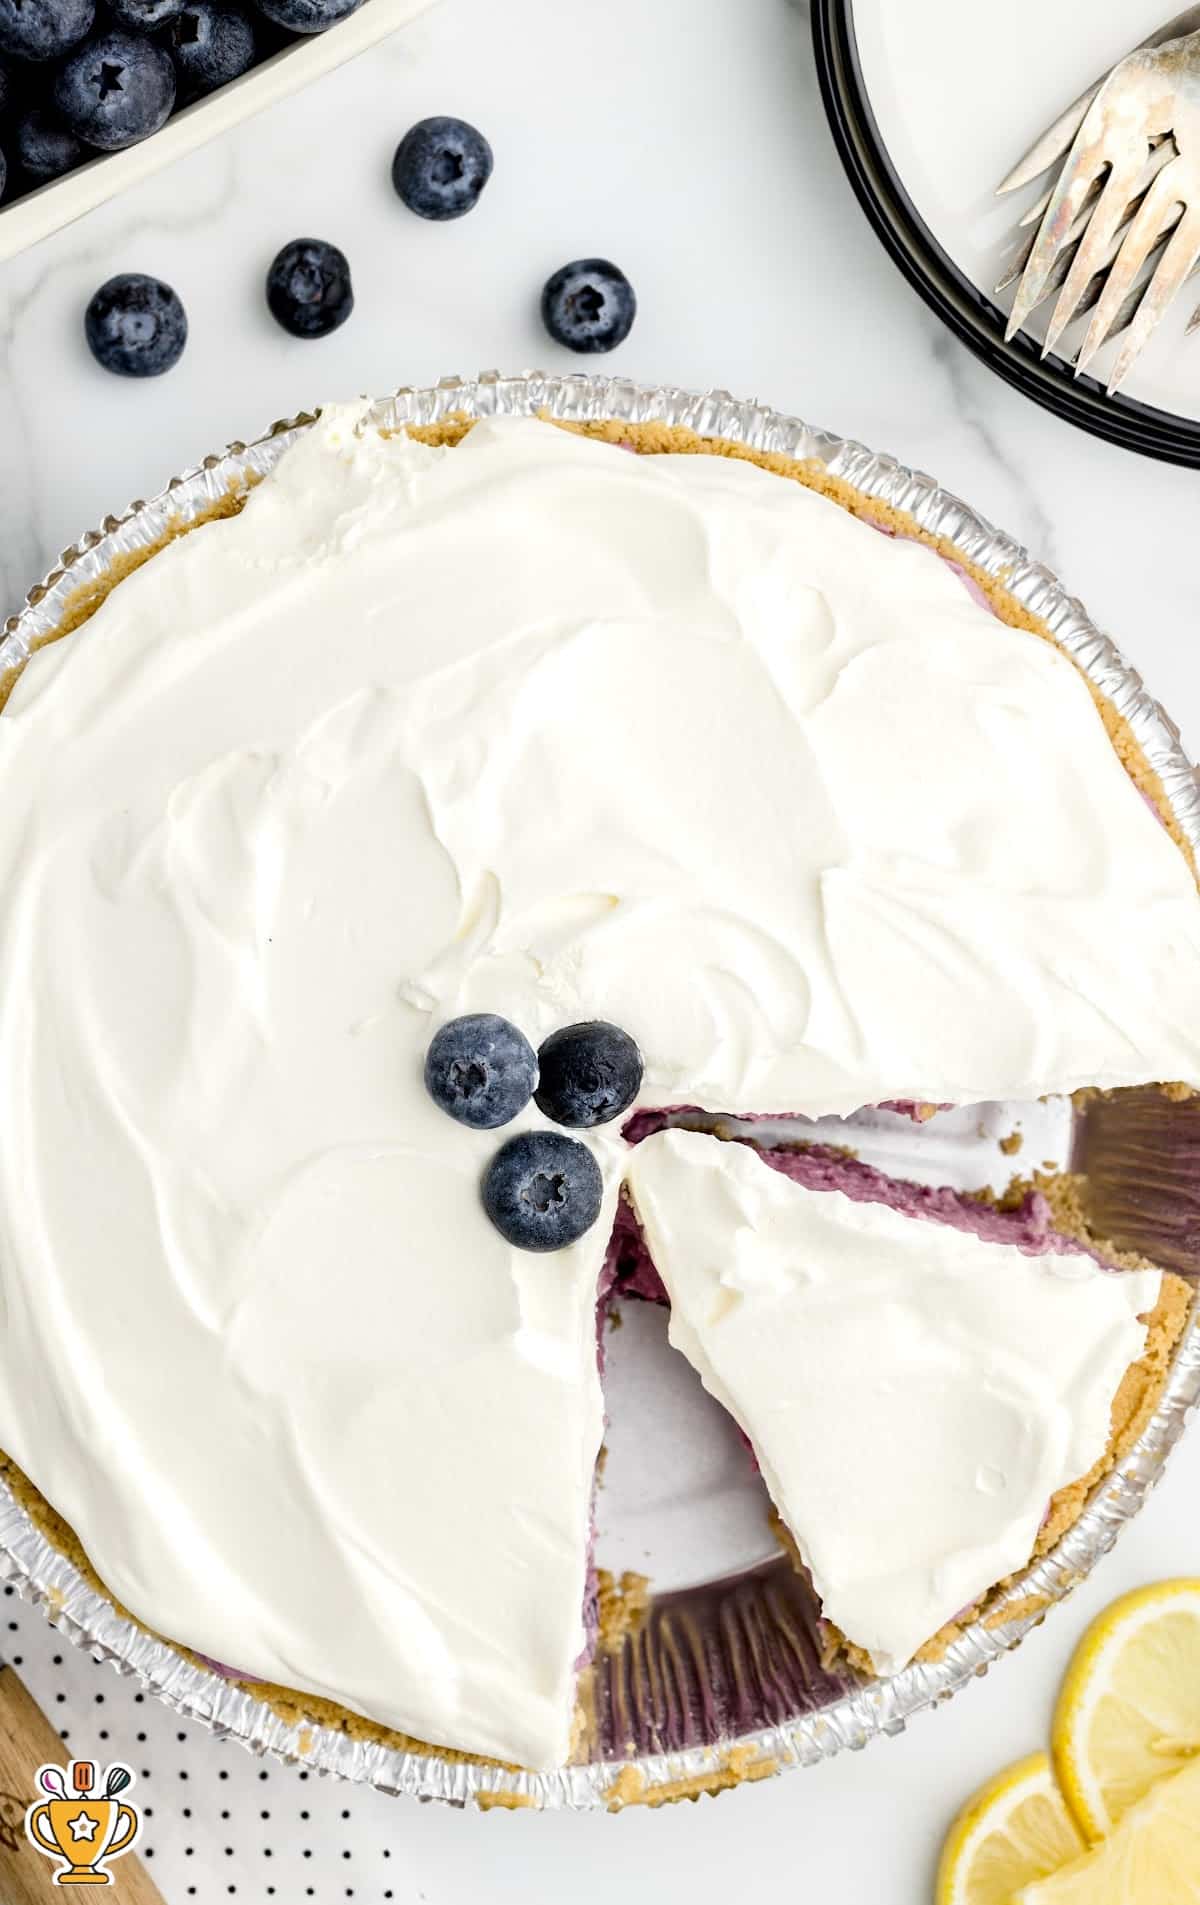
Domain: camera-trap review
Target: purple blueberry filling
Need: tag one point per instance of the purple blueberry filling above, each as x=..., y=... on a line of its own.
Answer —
x=629, y=1269
x=628, y=1266
x=228, y=1673
x=1028, y=1226
x=591, y=1602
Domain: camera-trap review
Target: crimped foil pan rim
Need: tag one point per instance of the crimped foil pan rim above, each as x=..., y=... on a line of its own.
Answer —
x=46, y=1576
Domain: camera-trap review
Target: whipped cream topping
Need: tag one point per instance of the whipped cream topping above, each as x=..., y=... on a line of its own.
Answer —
x=531, y=726
x=914, y=1394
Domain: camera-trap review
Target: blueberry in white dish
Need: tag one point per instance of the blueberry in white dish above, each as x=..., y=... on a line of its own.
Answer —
x=145, y=16
x=542, y=1190
x=115, y=89
x=136, y=326
x=589, y=305
x=43, y=29
x=441, y=167
x=308, y=288
x=588, y=1074
x=308, y=16
x=42, y=148
x=481, y=1070
x=210, y=45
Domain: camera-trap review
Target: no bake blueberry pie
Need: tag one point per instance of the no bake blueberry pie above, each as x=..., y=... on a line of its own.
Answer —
x=506, y=775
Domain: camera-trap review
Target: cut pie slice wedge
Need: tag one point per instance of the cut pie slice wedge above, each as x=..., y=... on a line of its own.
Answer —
x=915, y=1393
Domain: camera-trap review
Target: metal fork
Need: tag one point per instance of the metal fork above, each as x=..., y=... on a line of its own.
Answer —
x=1128, y=192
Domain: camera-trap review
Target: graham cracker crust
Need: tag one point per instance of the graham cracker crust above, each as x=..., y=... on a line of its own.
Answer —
x=623, y=1602
x=1144, y=1381
x=740, y=1765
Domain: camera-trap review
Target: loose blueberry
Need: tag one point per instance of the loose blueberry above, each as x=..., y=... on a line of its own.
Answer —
x=589, y=1073
x=589, y=305
x=136, y=326
x=115, y=90
x=481, y=1070
x=542, y=1191
x=307, y=16
x=440, y=168
x=42, y=148
x=309, y=289
x=210, y=44
x=43, y=29
x=145, y=16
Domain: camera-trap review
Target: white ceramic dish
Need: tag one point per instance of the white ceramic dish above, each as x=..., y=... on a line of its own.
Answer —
x=52, y=206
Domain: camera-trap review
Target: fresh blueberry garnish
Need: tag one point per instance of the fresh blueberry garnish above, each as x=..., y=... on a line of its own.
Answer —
x=42, y=148
x=145, y=16
x=309, y=289
x=589, y=1073
x=440, y=168
x=589, y=305
x=307, y=16
x=43, y=29
x=481, y=1070
x=136, y=326
x=115, y=90
x=210, y=44
x=542, y=1190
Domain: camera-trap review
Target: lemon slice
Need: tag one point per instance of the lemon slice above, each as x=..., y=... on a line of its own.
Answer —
x=1152, y=1858
x=1016, y=1828
x=1129, y=1711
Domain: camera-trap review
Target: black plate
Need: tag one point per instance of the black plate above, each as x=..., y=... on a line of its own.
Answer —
x=969, y=314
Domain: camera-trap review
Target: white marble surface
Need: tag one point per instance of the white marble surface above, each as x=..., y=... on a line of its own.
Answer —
x=684, y=138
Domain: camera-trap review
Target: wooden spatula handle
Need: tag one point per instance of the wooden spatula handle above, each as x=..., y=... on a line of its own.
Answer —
x=27, y=1741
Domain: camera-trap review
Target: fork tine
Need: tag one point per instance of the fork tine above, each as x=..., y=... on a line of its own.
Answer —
x=1013, y=271
x=1095, y=247
x=1176, y=263
x=1053, y=144
x=1037, y=211
x=1129, y=309
x=1060, y=267
x=1095, y=285
x=1024, y=250
x=1143, y=235
x=1088, y=158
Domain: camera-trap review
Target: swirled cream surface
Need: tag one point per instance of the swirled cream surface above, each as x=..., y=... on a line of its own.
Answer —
x=915, y=1394
x=529, y=726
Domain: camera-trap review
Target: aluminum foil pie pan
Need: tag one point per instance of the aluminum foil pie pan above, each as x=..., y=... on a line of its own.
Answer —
x=724, y=1679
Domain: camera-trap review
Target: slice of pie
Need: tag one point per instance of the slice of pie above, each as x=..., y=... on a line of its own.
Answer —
x=917, y=1384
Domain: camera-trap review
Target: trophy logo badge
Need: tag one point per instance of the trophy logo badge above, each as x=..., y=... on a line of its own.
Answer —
x=83, y=1823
